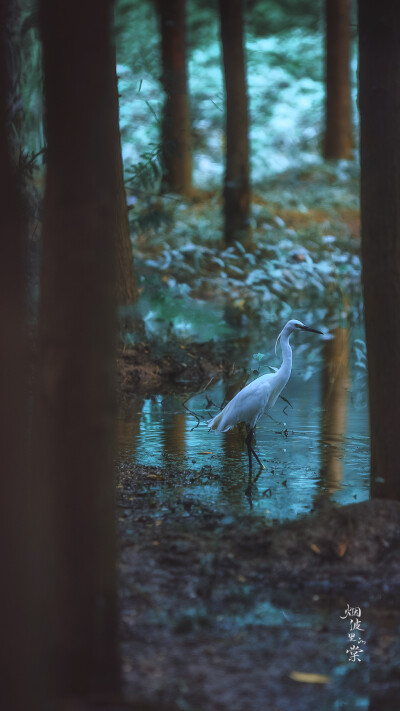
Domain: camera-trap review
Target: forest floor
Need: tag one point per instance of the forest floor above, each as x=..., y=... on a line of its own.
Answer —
x=165, y=367
x=223, y=612
x=220, y=612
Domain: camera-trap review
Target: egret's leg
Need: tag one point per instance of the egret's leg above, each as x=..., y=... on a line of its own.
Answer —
x=249, y=449
x=250, y=433
x=250, y=480
x=258, y=459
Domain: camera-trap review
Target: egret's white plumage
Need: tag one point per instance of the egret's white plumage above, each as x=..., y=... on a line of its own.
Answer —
x=250, y=403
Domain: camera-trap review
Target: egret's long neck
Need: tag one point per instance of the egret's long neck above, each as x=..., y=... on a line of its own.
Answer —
x=286, y=366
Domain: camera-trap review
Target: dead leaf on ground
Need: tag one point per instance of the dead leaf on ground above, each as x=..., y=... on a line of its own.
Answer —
x=309, y=678
x=315, y=548
x=341, y=548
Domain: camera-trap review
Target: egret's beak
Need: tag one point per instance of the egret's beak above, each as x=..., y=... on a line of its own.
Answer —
x=313, y=330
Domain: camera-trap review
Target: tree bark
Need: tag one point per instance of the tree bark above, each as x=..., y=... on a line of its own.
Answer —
x=20, y=657
x=176, y=140
x=379, y=100
x=75, y=404
x=338, y=130
x=236, y=184
x=126, y=289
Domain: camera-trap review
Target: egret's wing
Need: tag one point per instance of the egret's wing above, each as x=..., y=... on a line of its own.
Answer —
x=247, y=405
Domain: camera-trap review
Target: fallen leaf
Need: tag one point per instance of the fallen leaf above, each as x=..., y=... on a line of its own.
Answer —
x=239, y=303
x=341, y=549
x=315, y=548
x=308, y=678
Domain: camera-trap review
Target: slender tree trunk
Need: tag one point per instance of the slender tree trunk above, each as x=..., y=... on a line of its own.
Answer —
x=176, y=155
x=76, y=343
x=126, y=290
x=338, y=130
x=236, y=186
x=19, y=656
x=379, y=99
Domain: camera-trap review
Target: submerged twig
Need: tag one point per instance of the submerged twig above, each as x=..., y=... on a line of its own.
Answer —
x=288, y=403
x=191, y=413
x=208, y=384
x=210, y=403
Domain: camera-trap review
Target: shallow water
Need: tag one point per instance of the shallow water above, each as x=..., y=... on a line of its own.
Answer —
x=316, y=447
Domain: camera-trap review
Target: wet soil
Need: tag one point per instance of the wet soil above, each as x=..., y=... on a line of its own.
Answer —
x=193, y=582
x=148, y=368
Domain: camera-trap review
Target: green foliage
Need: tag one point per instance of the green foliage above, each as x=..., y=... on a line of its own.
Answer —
x=311, y=268
x=28, y=123
x=268, y=17
x=360, y=350
x=284, y=47
x=262, y=17
x=143, y=186
x=150, y=220
x=28, y=165
x=144, y=176
x=137, y=36
x=284, y=43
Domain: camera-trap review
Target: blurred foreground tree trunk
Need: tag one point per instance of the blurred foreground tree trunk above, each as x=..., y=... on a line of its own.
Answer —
x=126, y=290
x=338, y=131
x=236, y=184
x=20, y=656
x=379, y=99
x=176, y=140
x=75, y=399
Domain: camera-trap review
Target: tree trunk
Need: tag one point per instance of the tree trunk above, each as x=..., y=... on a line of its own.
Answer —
x=126, y=290
x=176, y=155
x=75, y=407
x=338, y=131
x=379, y=99
x=236, y=185
x=20, y=656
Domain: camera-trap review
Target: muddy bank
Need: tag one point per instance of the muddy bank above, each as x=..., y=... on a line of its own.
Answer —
x=222, y=612
x=356, y=545
x=148, y=368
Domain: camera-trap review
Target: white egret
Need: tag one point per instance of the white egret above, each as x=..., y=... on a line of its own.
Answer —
x=259, y=396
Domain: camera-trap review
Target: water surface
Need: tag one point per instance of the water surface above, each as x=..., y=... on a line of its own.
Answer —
x=316, y=447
